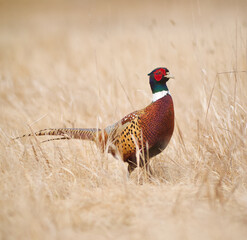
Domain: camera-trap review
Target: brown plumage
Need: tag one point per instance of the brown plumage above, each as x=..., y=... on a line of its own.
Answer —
x=149, y=130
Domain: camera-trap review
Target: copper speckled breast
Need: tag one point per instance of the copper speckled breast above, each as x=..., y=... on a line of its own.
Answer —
x=152, y=126
x=158, y=124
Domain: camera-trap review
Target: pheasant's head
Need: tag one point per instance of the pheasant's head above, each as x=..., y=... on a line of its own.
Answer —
x=158, y=79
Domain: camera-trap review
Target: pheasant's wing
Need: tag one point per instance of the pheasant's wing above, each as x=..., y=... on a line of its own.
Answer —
x=126, y=135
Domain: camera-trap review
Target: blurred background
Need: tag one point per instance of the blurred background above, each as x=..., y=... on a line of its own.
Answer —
x=83, y=50
x=85, y=64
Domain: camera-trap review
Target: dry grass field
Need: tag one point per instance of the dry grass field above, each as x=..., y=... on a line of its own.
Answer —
x=85, y=64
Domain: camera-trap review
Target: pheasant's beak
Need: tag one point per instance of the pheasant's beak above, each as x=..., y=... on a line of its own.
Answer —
x=168, y=75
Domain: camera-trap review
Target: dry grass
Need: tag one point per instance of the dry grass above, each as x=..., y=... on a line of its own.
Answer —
x=84, y=64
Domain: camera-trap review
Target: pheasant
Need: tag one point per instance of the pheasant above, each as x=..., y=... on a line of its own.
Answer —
x=148, y=130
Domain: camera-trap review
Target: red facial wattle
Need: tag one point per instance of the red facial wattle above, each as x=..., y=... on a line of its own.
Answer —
x=159, y=73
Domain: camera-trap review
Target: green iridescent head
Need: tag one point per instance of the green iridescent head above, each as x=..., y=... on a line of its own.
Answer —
x=158, y=78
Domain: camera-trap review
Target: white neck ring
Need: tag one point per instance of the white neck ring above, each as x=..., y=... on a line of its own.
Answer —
x=159, y=95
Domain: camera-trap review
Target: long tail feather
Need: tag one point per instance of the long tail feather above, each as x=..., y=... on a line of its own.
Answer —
x=68, y=133
x=53, y=139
